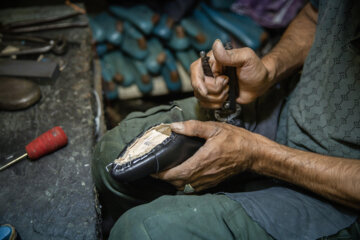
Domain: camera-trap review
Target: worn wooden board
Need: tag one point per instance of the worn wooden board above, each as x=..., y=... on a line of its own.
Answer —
x=52, y=198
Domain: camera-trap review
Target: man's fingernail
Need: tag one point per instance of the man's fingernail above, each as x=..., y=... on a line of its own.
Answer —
x=178, y=126
x=218, y=41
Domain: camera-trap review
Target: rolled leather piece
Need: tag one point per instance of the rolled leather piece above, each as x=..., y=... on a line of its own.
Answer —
x=242, y=27
x=156, y=57
x=98, y=33
x=134, y=42
x=123, y=70
x=170, y=73
x=107, y=68
x=139, y=15
x=178, y=40
x=172, y=151
x=186, y=58
x=200, y=39
x=111, y=27
x=210, y=27
x=101, y=49
x=16, y=94
x=110, y=90
x=164, y=27
x=143, y=79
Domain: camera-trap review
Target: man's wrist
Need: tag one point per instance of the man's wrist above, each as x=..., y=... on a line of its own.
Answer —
x=266, y=155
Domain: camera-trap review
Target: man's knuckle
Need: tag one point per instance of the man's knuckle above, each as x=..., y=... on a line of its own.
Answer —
x=248, y=53
x=247, y=50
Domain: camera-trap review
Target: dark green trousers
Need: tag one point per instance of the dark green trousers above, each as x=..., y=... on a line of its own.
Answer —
x=209, y=216
x=169, y=217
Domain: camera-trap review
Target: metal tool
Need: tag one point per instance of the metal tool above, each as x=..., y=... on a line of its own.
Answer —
x=205, y=64
x=43, y=45
x=46, y=143
x=43, y=24
x=230, y=109
x=230, y=104
x=29, y=68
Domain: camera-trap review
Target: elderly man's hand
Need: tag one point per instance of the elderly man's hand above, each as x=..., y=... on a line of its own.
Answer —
x=254, y=75
x=228, y=150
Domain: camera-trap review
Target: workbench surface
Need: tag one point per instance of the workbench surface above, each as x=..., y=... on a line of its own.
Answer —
x=52, y=198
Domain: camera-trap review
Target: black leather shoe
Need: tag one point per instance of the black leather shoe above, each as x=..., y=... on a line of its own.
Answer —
x=153, y=151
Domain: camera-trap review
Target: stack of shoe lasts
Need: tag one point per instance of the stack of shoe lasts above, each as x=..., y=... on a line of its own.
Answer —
x=136, y=45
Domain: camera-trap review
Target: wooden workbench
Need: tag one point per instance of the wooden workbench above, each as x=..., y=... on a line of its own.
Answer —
x=53, y=197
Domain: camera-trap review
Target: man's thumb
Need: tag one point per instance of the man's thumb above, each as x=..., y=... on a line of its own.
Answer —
x=233, y=57
x=194, y=128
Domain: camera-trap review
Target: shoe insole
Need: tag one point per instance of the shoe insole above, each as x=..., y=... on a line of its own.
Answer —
x=143, y=145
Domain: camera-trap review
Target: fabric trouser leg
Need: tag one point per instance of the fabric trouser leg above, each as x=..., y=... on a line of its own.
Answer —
x=188, y=217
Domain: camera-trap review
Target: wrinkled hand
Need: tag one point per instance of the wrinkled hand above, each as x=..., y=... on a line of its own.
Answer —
x=253, y=76
x=228, y=150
